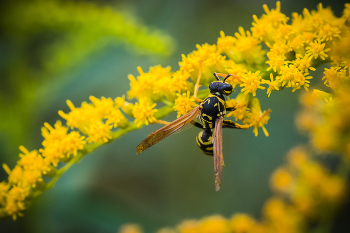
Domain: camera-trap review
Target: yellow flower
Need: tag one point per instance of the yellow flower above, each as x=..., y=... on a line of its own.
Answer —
x=99, y=132
x=313, y=174
x=81, y=117
x=144, y=112
x=333, y=188
x=153, y=85
x=162, y=83
x=322, y=95
x=183, y=104
x=279, y=47
x=328, y=32
x=297, y=44
x=308, y=37
x=306, y=120
x=205, y=60
x=240, y=103
x=15, y=201
x=117, y=119
x=188, y=226
x=283, y=217
x=33, y=161
x=242, y=223
x=214, y=224
x=331, y=77
x=103, y=106
x=4, y=188
x=304, y=201
x=340, y=50
x=72, y=143
x=226, y=44
x=290, y=76
x=53, y=134
x=317, y=49
x=325, y=138
x=235, y=69
x=281, y=180
x=274, y=16
x=249, y=47
x=124, y=105
x=275, y=61
x=284, y=32
x=251, y=82
x=274, y=208
x=273, y=85
x=303, y=63
x=58, y=144
x=16, y=175
x=264, y=27
x=31, y=178
x=179, y=82
x=297, y=157
x=258, y=118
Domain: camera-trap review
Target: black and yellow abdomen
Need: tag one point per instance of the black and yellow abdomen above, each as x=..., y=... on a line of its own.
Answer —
x=205, y=142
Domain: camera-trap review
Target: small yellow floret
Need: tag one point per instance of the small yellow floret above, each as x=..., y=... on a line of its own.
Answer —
x=117, y=119
x=281, y=180
x=188, y=226
x=59, y=144
x=214, y=224
x=144, y=112
x=99, y=132
x=290, y=76
x=317, y=49
x=102, y=106
x=257, y=118
x=273, y=85
x=183, y=104
x=242, y=223
x=251, y=82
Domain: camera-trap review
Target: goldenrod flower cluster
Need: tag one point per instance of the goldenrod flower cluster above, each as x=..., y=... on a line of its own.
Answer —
x=293, y=50
x=305, y=191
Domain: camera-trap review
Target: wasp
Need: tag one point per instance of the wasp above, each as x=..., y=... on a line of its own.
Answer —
x=212, y=111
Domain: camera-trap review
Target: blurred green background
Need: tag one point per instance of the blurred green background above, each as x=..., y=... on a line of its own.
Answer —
x=164, y=185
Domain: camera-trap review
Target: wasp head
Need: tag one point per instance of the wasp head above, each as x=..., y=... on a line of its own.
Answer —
x=221, y=86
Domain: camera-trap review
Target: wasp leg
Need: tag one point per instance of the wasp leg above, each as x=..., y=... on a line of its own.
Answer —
x=197, y=124
x=231, y=124
x=196, y=87
x=231, y=109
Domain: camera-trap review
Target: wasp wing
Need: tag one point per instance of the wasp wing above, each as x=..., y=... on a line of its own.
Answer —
x=169, y=129
x=218, y=157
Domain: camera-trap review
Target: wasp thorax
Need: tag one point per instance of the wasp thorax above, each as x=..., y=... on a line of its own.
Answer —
x=221, y=87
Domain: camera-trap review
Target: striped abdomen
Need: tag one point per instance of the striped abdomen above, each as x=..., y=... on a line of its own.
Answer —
x=205, y=142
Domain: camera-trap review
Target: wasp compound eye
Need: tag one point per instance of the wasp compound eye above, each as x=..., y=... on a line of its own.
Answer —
x=227, y=89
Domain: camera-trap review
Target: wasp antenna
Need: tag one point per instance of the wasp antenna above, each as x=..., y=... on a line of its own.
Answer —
x=216, y=76
x=227, y=77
